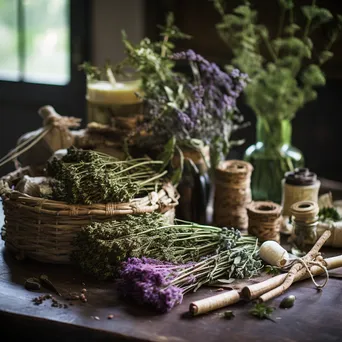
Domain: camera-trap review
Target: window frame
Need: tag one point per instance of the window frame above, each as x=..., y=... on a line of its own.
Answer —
x=34, y=93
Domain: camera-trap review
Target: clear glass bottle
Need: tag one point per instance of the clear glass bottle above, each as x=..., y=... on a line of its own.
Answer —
x=271, y=157
x=305, y=235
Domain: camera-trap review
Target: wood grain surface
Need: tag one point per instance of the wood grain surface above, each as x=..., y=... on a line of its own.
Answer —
x=316, y=315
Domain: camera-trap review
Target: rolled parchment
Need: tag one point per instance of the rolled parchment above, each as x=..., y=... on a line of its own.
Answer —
x=273, y=254
x=256, y=290
x=215, y=302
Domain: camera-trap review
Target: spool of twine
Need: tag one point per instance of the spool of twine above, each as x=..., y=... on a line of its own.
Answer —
x=299, y=185
x=232, y=193
x=305, y=211
x=264, y=220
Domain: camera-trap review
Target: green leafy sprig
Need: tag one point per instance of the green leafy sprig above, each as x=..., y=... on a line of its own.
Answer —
x=262, y=311
x=286, y=75
x=273, y=270
x=329, y=214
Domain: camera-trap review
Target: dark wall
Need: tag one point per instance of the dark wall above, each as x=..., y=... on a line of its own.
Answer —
x=317, y=127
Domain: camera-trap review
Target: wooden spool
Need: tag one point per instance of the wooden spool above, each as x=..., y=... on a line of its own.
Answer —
x=232, y=193
x=264, y=220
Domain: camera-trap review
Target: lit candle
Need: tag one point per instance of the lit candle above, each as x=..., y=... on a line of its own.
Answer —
x=118, y=93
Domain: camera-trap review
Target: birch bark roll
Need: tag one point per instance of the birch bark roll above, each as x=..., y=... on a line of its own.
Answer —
x=215, y=302
x=256, y=290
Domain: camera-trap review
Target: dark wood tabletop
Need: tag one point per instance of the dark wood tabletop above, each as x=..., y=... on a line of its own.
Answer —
x=316, y=315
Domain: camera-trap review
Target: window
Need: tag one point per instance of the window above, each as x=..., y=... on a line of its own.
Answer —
x=35, y=41
x=42, y=44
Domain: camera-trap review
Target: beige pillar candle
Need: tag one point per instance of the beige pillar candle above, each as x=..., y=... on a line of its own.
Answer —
x=120, y=93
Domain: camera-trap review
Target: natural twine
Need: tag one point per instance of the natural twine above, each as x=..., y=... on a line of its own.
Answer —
x=232, y=194
x=264, y=220
x=307, y=264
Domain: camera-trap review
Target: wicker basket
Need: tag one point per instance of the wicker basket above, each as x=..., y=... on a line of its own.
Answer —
x=43, y=229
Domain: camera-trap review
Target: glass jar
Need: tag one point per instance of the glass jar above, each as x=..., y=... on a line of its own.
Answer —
x=271, y=157
x=194, y=187
x=305, y=235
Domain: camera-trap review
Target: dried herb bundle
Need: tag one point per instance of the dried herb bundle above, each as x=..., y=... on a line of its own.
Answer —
x=162, y=285
x=87, y=177
x=102, y=246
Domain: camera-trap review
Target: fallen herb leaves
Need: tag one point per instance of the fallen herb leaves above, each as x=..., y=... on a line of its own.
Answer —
x=228, y=314
x=262, y=311
x=273, y=270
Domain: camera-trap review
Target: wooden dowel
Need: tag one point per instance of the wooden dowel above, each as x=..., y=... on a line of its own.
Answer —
x=256, y=290
x=214, y=302
x=291, y=275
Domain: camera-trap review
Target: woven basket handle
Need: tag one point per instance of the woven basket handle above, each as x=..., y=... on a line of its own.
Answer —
x=4, y=189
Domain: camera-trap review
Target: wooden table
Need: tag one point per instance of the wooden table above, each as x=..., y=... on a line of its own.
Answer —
x=316, y=315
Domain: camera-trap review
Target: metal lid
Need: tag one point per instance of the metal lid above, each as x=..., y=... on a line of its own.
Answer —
x=300, y=176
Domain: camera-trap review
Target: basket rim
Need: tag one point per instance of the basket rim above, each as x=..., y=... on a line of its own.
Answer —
x=166, y=197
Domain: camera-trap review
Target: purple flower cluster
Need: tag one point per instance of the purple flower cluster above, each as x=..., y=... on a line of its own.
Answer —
x=149, y=281
x=210, y=97
x=221, y=90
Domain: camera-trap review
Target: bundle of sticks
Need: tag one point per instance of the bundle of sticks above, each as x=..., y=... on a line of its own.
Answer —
x=310, y=265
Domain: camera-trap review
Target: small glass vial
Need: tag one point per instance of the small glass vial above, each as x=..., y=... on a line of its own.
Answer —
x=305, y=219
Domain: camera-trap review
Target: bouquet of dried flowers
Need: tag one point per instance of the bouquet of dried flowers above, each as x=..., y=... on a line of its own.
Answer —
x=192, y=108
x=197, y=109
x=102, y=246
x=162, y=285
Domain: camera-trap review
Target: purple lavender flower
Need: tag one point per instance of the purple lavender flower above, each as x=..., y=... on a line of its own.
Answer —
x=148, y=281
x=204, y=110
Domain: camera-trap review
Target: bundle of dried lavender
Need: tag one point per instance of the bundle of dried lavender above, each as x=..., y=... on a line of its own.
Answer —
x=162, y=285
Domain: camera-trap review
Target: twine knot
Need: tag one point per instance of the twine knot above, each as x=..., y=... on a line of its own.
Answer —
x=319, y=261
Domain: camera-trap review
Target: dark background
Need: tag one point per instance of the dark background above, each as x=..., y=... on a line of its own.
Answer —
x=316, y=128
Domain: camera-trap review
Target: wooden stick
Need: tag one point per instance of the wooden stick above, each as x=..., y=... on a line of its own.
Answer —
x=215, y=302
x=256, y=290
x=295, y=269
x=253, y=291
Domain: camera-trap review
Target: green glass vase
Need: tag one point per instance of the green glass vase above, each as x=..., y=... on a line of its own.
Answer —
x=271, y=157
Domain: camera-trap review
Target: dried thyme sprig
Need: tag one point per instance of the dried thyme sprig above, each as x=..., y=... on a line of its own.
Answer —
x=87, y=177
x=102, y=246
x=162, y=285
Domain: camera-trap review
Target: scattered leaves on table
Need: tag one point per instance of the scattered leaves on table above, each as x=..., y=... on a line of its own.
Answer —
x=273, y=270
x=262, y=311
x=228, y=314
